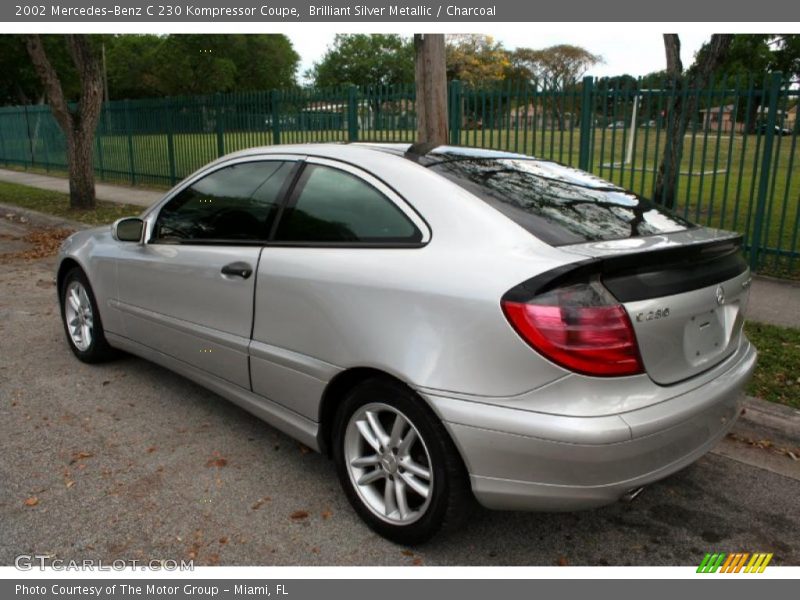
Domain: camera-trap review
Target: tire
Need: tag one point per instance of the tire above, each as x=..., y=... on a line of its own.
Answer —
x=399, y=462
x=85, y=336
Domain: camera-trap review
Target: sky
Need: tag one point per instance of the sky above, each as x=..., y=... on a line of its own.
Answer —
x=625, y=51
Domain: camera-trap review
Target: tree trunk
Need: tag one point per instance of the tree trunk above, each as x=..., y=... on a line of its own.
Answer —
x=681, y=108
x=80, y=158
x=78, y=124
x=431, y=79
x=664, y=191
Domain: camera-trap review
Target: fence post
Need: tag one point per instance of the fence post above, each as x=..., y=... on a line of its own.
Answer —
x=30, y=137
x=98, y=139
x=587, y=112
x=455, y=112
x=773, y=92
x=168, y=112
x=129, y=129
x=275, y=102
x=220, y=125
x=3, y=155
x=352, y=114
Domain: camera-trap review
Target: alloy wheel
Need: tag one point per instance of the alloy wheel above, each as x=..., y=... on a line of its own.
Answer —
x=79, y=317
x=388, y=463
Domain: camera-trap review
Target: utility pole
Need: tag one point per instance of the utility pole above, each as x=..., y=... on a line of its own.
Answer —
x=431, y=79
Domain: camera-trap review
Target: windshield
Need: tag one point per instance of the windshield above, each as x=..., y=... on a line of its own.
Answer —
x=559, y=204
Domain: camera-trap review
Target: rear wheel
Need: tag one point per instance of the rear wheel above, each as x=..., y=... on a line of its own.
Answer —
x=81, y=319
x=397, y=464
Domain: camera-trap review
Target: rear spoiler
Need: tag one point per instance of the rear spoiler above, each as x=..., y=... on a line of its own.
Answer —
x=642, y=275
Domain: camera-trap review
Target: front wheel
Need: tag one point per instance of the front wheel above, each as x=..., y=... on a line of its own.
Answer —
x=81, y=319
x=397, y=464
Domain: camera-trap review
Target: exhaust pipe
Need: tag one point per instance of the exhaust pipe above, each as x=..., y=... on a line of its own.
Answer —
x=631, y=495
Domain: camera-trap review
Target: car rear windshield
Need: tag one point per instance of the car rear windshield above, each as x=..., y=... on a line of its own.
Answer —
x=558, y=204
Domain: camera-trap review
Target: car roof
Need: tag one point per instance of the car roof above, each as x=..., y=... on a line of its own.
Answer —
x=424, y=154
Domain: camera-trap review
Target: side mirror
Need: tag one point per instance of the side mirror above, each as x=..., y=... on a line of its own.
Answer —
x=128, y=229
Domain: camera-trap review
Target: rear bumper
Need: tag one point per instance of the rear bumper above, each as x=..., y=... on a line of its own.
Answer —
x=523, y=460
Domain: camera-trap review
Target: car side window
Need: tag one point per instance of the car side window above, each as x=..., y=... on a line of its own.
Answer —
x=238, y=202
x=335, y=206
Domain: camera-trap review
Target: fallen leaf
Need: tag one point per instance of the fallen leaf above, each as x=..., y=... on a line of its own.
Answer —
x=45, y=242
x=303, y=449
x=562, y=561
x=32, y=501
x=218, y=462
x=315, y=550
x=69, y=483
x=151, y=449
x=223, y=540
x=417, y=562
x=299, y=515
x=106, y=382
x=327, y=514
x=260, y=502
x=80, y=456
x=406, y=553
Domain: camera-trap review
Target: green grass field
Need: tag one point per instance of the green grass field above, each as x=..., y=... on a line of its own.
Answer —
x=777, y=376
x=718, y=184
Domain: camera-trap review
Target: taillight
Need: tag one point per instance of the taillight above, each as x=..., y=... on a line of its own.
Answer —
x=580, y=327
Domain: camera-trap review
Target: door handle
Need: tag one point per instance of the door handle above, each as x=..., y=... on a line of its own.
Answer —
x=238, y=269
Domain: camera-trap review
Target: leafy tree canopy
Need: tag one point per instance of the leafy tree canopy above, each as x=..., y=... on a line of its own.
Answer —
x=477, y=60
x=141, y=66
x=754, y=55
x=557, y=66
x=363, y=59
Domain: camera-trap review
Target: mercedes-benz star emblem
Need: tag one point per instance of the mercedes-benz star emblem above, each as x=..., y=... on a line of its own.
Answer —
x=720, y=295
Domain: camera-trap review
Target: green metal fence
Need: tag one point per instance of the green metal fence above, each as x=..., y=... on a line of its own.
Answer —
x=737, y=170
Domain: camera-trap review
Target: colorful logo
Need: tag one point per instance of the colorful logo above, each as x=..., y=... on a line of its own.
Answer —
x=734, y=563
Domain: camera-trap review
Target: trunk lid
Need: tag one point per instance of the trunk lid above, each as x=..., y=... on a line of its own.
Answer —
x=685, y=293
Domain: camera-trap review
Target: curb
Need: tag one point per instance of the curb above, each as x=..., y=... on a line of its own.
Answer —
x=43, y=219
x=777, y=280
x=783, y=419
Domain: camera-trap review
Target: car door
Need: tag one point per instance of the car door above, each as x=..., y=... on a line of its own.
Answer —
x=188, y=290
x=341, y=233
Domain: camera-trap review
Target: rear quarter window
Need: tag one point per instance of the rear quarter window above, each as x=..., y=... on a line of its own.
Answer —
x=558, y=204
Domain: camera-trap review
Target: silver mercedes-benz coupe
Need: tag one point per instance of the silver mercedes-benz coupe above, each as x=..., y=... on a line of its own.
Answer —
x=449, y=324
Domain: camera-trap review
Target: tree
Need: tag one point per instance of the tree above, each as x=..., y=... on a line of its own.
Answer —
x=202, y=64
x=681, y=107
x=361, y=59
x=477, y=60
x=19, y=82
x=556, y=67
x=749, y=60
x=143, y=66
x=431, y=88
x=133, y=71
x=786, y=54
x=77, y=122
x=759, y=54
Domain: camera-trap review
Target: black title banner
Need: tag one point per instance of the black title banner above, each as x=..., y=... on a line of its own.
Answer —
x=286, y=11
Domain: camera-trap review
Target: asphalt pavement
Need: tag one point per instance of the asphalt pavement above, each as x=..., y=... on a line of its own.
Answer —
x=128, y=461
